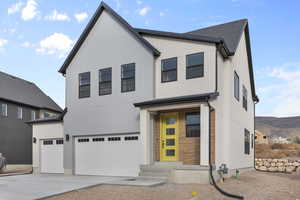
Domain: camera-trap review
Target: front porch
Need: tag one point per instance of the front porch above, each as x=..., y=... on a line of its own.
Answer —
x=175, y=141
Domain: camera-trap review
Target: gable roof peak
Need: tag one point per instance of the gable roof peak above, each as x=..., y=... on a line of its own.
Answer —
x=89, y=27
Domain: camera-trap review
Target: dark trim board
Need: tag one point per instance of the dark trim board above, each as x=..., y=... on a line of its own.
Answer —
x=178, y=100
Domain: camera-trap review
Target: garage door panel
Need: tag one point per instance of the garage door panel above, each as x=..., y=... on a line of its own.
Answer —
x=51, y=156
x=114, y=156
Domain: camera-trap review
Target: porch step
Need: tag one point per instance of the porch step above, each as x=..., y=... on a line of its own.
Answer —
x=157, y=170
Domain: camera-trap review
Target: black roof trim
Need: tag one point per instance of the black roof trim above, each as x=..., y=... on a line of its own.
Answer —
x=187, y=36
x=177, y=100
x=89, y=27
x=58, y=118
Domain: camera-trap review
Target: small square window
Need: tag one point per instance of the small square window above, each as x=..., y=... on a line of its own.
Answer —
x=170, y=152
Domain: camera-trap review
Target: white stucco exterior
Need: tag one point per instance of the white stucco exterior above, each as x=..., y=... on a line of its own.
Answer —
x=42, y=131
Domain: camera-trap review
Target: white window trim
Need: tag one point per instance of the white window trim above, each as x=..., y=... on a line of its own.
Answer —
x=20, y=114
x=5, y=110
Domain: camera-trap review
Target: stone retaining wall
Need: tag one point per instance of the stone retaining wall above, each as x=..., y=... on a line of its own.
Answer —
x=277, y=165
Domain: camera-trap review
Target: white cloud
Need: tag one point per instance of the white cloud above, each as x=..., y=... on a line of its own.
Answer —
x=144, y=11
x=81, y=16
x=3, y=42
x=161, y=14
x=30, y=10
x=56, y=16
x=57, y=43
x=27, y=44
x=139, y=2
x=282, y=90
x=15, y=8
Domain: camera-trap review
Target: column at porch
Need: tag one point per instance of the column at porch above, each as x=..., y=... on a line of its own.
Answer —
x=145, y=136
x=204, y=135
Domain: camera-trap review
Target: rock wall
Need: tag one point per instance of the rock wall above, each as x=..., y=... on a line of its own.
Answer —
x=277, y=165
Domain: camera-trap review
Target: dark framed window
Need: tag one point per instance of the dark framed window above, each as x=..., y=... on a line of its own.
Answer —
x=169, y=70
x=105, y=81
x=60, y=141
x=4, y=110
x=247, y=142
x=33, y=115
x=195, y=65
x=131, y=138
x=84, y=85
x=47, y=142
x=236, y=86
x=128, y=77
x=245, y=98
x=192, y=123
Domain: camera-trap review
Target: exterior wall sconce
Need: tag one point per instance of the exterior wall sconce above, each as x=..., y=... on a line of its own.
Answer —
x=34, y=140
x=67, y=137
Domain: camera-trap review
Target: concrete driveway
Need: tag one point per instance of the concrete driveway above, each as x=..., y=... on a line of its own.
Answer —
x=28, y=187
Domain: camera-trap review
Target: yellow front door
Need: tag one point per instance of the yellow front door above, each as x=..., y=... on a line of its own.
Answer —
x=169, y=137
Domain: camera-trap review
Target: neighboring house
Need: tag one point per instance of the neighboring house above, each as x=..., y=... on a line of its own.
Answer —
x=261, y=138
x=144, y=102
x=21, y=101
x=280, y=140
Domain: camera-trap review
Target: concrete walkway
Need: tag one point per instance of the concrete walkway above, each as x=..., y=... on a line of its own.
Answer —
x=29, y=187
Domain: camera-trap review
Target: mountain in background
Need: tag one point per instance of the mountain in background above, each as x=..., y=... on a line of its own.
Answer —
x=274, y=126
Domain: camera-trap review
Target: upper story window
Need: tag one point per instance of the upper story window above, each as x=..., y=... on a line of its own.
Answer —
x=195, y=65
x=4, y=110
x=169, y=70
x=20, y=113
x=84, y=84
x=236, y=86
x=33, y=115
x=247, y=142
x=46, y=114
x=105, y=81
x=128, y=77
x=245, y=98
x=192, y=122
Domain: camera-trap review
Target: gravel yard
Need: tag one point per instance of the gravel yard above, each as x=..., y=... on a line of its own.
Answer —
x=252, y=185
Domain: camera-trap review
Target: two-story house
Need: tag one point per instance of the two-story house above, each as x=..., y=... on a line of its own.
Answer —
x=154, y=103
x=21, y=101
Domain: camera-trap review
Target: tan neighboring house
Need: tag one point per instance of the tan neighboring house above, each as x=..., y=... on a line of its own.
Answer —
x=261, y=138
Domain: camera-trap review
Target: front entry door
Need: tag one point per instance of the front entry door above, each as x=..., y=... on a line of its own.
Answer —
x=169, y=137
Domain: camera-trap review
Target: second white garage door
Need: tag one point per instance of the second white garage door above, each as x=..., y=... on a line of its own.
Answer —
x=52, y=159
x=108, y=155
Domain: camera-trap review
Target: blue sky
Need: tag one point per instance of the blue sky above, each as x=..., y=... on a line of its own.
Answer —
x=36, y=35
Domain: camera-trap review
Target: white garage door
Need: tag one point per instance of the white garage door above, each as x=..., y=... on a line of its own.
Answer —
x=52, y=159
x=108, y=155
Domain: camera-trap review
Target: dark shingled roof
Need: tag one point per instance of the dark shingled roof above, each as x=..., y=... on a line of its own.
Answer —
x=20, y=91
x=231, y=32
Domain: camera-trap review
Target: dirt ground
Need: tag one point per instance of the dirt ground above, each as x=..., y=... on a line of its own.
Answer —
x=252, y=185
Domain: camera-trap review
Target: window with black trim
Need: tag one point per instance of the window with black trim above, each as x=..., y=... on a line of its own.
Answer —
x=169, y=70
x=4, y=110
x=105, y=81
x=84, y=140
x=236, y=86
x=84, y=85
x=114, y=139
x=98, y=139
x=128, y=77
x=192, y=123
x=47, y=142
x=195, y=65
x=131, y=138
x=247, y=142
x=245, y=98
x=60, y=141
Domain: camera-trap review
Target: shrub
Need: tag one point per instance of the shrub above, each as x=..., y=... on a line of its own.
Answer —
x=296, y=140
